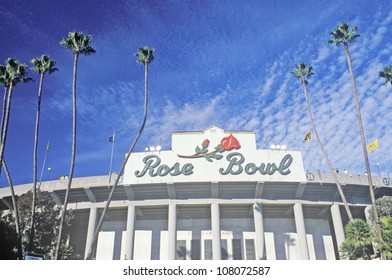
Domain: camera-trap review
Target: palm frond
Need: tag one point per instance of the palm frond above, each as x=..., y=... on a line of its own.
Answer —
x=79, y=43
x=145, y=55
x=343, y=35
x=386, y=74
x=3, y=75
x=43, y=64
x=303, y=71
x=15, y=73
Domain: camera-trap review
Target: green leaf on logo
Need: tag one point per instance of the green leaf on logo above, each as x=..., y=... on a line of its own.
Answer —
x=197, y=150
x=218, y=156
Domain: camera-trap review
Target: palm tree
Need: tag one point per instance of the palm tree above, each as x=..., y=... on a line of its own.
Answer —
x=79, y=44
x=303, y=71
x=14, y=73
x=145, y=56
x=4, y=81
x=358, y=240
x=42, y=66
x=387, y=74
x=343, y=35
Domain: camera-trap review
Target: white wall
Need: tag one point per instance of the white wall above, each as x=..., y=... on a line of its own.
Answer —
x=110, y=244
x=147, y=240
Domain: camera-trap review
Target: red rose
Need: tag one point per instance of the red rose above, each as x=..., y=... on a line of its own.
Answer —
x=205, y=143
x=230, y=142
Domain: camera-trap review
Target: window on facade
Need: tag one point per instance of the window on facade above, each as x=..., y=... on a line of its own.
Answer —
x=250, y=249
x=224, y=253
x=180, y=250
x=208, y=249
x=237, y=255
x=195, y=249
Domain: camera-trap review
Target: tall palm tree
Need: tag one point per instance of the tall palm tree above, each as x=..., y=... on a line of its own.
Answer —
x=145, y=56
x=386, y=74
x=302, y=72
x=11, y=74
x=79, y=44
x=42, y=66
x=342, y=34
x=14, y=74
x=4, y=81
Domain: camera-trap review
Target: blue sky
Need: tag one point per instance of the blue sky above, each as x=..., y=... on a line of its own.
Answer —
x=223, y=63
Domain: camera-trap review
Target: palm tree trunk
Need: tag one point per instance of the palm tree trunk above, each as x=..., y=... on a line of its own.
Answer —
x=91, y=249
x=339, y=187
x=33, y=204
x=3, y=113
x=64, y=210
x=364, y=148
x=16, y=213
x=5, y=127
x=7, y=173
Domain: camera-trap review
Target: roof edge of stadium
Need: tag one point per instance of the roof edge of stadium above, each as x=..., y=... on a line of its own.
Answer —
x=213, y=127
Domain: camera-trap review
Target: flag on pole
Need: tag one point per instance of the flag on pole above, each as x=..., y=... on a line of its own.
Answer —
x=308, y=136
x=373, y=145
x=111, y=138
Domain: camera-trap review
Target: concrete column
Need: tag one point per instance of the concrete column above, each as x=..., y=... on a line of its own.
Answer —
x=337, y=224
x=259, y=231
x=172, y=232
x=130, y=233
x=92, y=222
x=301, y=232
x=216, y=234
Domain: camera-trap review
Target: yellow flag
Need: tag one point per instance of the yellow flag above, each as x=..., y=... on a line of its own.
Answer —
x=373, y=145
x=308, y=136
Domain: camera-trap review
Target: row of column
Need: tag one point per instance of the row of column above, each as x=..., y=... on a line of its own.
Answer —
x=216, y=231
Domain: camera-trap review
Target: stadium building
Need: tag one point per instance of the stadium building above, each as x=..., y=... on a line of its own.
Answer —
x=213, y=195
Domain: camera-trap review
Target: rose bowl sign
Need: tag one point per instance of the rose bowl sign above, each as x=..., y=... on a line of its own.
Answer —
x=218, y=156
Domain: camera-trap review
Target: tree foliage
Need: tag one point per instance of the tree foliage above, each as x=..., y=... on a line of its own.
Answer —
x=386, y=246
x=78, y=43
x=358, y=241
x=145, y=55
x=303, y=71
x=8, y=238
x=342, y=34
x=384, y=206
x=386, y=74
x=43, y=65
x=46, y=223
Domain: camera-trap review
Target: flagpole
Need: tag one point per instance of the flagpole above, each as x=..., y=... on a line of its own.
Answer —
x=386, y=169
x=111, y=157
x=43, y=165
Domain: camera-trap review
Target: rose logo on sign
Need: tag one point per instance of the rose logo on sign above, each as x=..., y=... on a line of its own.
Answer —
x=227, y=144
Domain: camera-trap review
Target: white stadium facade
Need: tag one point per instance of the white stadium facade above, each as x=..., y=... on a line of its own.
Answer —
x=213, y=196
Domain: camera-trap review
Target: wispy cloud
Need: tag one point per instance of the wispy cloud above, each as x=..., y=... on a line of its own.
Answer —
x=279, y=110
